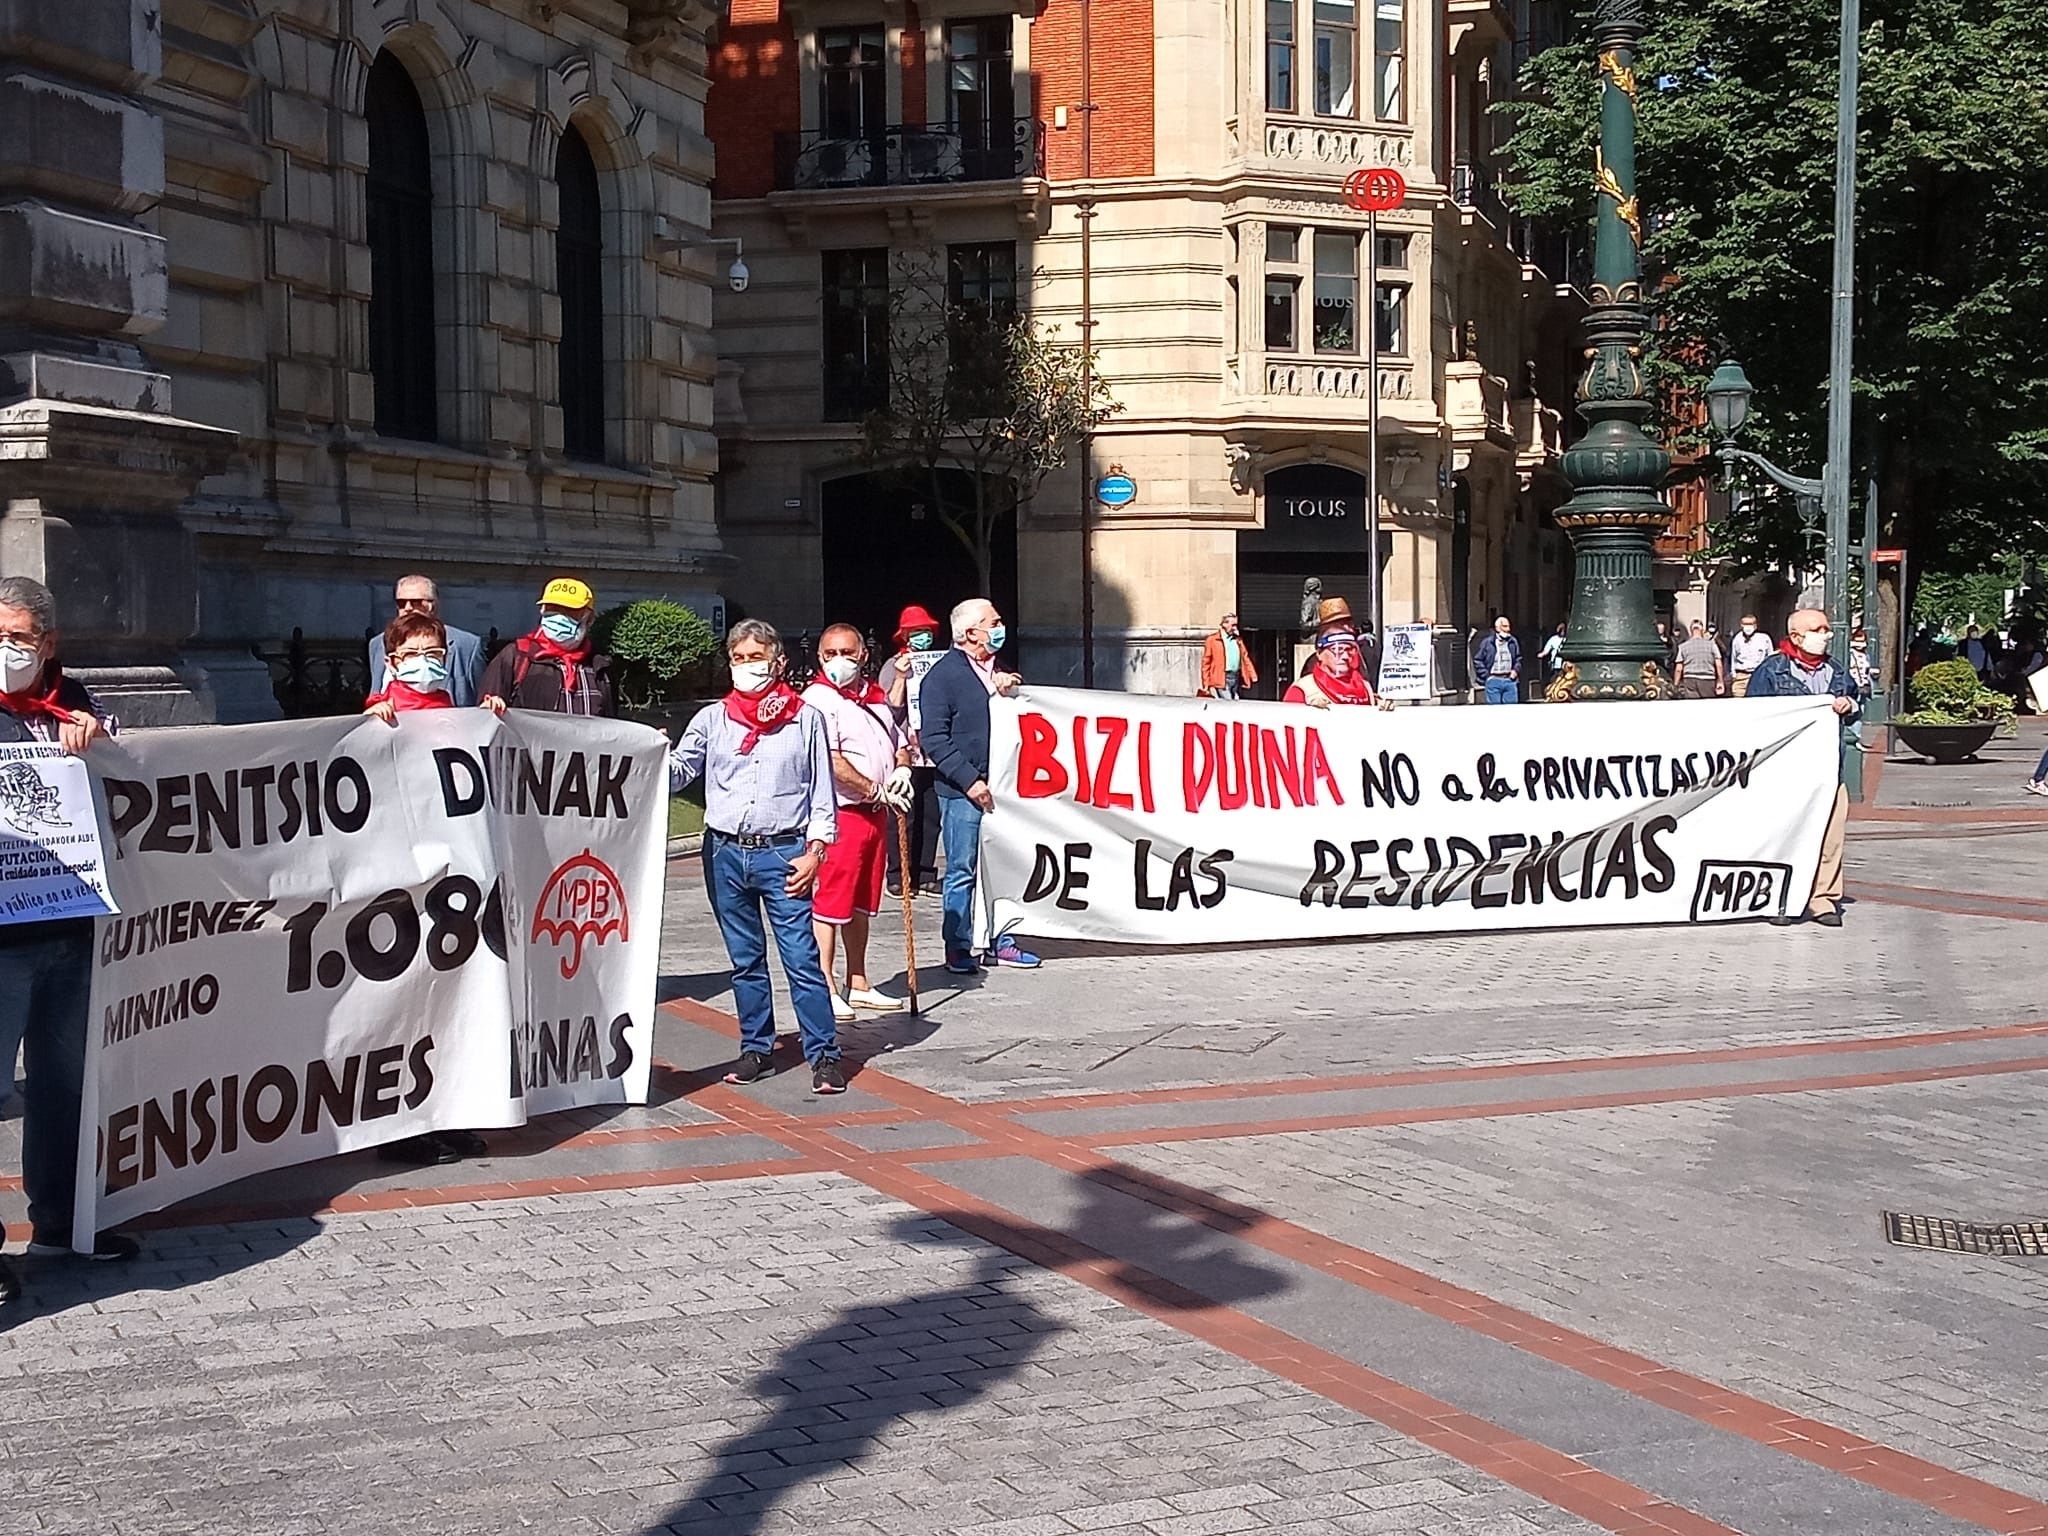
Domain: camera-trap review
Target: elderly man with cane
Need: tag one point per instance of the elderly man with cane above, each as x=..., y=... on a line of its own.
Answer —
x=871, y=774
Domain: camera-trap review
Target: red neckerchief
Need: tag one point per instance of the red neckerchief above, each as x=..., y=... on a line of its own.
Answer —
x=403, y=697
x=769, y=710
x=570, y=656
x=33, y=701
x=1351, y=688
x=863, y=691
x=1799, y=657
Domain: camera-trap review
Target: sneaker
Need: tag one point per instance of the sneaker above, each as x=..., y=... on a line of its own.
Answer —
x=895, y=890
x=869, y=998
x=1006, y=952
x=428, y=1151
x=2037, y=786
x=107, y=1248
x=842, y=1010
x=750, y=1068
x=463, y=1143
x=962, y=965
x=828, y=1077
x=1832, y=918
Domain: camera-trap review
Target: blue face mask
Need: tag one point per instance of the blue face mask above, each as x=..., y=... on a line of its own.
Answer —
x=423, y=674
x=998, y=634
x=921, y=640
x=561, y=628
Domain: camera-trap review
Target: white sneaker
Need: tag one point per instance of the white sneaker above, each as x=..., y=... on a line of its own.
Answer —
x=842, y=1010
x=2037, y=786
x=868, y=997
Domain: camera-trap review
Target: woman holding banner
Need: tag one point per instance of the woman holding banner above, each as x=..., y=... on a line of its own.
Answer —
x=417, y=647
x=1337, y=675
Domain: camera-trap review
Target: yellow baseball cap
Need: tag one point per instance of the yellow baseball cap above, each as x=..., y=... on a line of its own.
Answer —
x=568, y=592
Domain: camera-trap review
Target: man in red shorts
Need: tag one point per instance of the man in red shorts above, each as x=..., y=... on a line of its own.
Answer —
x=871, y=772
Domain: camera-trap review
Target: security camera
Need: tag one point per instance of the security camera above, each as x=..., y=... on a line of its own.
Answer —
x=737, y=275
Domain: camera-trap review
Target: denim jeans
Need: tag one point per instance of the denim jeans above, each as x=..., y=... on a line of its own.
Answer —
x=960, y=820
x=45, y=986
x=742, y=882
x=1503, y=690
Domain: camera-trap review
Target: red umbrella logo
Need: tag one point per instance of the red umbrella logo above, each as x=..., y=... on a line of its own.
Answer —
x=583, y=902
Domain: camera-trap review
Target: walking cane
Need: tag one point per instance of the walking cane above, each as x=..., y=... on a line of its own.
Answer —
x=909, y=920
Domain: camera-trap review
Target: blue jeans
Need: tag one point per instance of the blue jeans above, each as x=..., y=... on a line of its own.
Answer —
x=1503, y=690
x=45, y=986
x=960, y=829
x=742, y=882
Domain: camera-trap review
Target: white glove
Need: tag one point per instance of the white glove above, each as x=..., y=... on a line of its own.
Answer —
x=896, y=790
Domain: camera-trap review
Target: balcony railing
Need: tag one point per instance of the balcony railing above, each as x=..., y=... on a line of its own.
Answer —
x=910, y=155
x=1473, y=186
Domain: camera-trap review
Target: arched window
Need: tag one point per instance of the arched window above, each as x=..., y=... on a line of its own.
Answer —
x=401, y=219
x=579, y=278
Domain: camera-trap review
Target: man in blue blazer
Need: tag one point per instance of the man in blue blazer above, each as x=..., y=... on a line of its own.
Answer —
x=953, y=706
x=418, y=594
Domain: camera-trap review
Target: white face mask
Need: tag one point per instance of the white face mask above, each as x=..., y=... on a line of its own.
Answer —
x=841, y=670
x=1814, y=642
x=752, y=676
x=20, y=665
x=1749, y=629
x=423, y=673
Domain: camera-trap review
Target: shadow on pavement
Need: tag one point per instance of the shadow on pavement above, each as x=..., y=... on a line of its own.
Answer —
x=839, y=1391
x=53, y=1286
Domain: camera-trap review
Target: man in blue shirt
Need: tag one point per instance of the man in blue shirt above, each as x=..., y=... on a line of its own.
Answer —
x=1805, y=668
x=953, y=709
x=418, y=594
x=770, y=812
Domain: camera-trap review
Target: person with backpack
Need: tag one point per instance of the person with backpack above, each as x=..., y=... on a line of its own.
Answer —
x=555, y=669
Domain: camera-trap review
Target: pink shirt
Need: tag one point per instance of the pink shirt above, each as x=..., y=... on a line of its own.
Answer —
x=986, y=671
x=866, y=735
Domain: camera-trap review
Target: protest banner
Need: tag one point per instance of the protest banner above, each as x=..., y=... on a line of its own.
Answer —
x=1171, y=821
x=339, y=933
x=51, y=864
x=1405, y=664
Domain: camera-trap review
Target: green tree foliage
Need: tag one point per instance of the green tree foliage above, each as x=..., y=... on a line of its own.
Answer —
x=1736, y=167
x=653, y=643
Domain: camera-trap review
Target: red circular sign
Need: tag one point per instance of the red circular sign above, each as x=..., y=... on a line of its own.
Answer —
x=1375, y=188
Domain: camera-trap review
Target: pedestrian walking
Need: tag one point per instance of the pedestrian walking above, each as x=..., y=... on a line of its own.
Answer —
x=1338, y=674
x=1699, y=673
x=1804, y=667
x=1498, y=663
x=902, y=676
x=955, y=721
x=46, y=967
x=555, y=669
x=1749, y=649
x=418, y=594
x=871, y=776
x=1227, y=670
x=769, y=817
x=1552, y=654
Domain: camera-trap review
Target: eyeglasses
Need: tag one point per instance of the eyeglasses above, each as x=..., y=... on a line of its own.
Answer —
x=434, y=655
x=417, y=602
x=27, y=637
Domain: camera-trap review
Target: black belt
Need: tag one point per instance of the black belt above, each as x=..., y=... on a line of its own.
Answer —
x=757, y=839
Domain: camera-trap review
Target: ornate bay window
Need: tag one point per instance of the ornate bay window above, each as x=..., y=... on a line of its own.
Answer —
x=1352, y=44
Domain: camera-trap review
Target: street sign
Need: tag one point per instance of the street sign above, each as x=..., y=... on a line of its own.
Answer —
x=1116, y=489
x=1888, y=556
x=1375, y=188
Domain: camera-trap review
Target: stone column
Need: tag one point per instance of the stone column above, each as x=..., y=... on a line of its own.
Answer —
x=96, y=466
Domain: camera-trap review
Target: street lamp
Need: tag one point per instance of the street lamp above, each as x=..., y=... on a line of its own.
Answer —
x=1728, y=393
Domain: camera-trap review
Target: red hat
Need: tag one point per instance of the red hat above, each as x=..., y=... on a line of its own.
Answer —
x=912, y=618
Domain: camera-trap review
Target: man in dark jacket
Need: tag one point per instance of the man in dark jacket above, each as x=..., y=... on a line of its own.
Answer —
x=555, y=669
x=953, y=710
x=46, y=967
x=1803, y=668
x=1497, y=663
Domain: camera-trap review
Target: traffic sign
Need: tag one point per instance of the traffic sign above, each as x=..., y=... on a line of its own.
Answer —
x=1116, y=489
x=1375, y=188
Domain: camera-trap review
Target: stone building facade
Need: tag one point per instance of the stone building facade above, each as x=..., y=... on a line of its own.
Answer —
x=297, y=297
x=1229, y=294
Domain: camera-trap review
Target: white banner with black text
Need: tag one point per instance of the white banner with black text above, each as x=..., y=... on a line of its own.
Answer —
x=339, y=933
x=1143, y=820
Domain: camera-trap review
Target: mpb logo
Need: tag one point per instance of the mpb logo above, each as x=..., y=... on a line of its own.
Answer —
x=582, y=902
x=1728, y=889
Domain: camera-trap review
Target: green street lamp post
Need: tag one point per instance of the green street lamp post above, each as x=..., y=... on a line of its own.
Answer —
x=1616, y=470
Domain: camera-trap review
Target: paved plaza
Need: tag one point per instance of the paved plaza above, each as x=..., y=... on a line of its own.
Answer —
x=1468, y=1236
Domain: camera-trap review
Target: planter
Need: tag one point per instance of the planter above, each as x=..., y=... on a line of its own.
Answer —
x=1946, y=743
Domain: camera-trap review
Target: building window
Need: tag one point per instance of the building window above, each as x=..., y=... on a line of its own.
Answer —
x=400, y=205
x=983, y=277
x=1389, y=72
x=1390, y=317
x=1336, y=43
x=579, y=279
x=1393, y=253
x=856, y=294
x=1283, y=288
x=1279, y=55
x=981, y=90
x=852, y=90
x=1336, y=291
